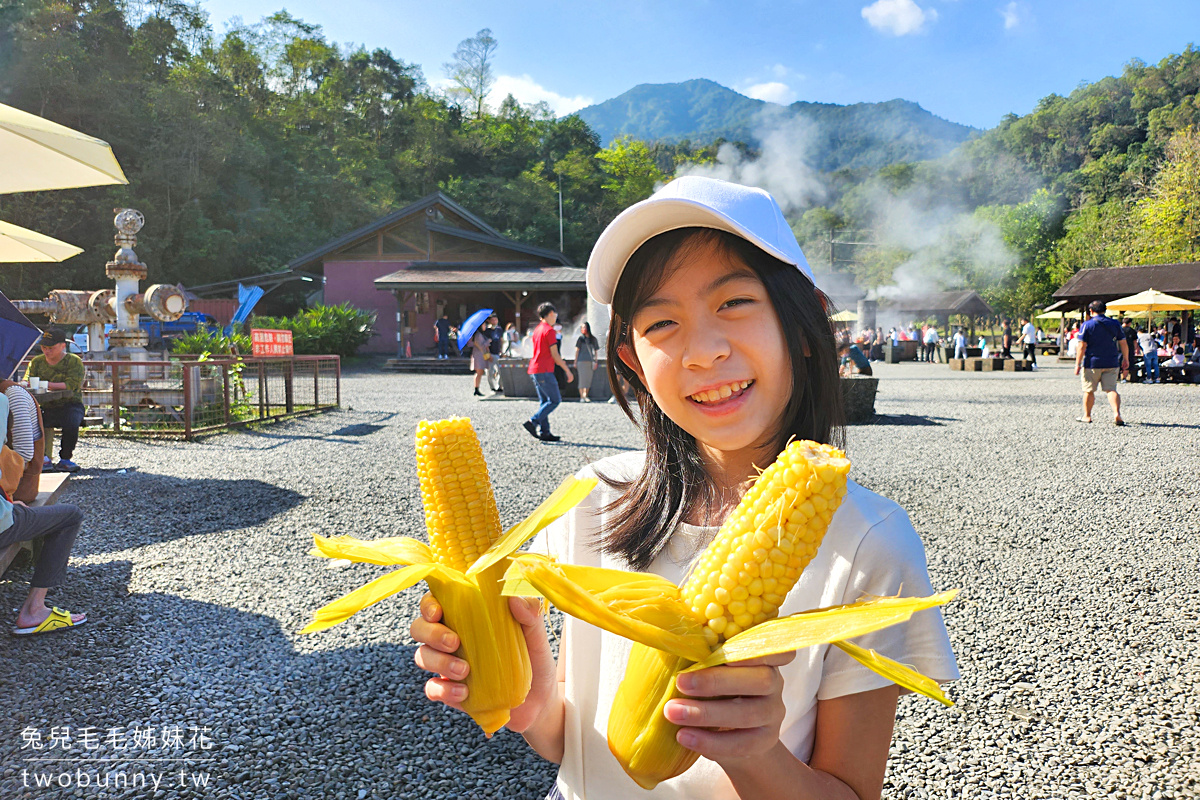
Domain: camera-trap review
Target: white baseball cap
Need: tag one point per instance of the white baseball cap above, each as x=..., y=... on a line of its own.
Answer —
x=692, y=202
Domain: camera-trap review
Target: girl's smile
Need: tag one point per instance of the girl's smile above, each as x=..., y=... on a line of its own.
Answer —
x=709, y=347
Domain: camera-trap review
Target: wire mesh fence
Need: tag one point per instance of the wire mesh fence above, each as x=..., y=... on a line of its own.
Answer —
x=186, y=397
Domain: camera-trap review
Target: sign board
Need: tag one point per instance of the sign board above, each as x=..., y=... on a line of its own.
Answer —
x=271, y=343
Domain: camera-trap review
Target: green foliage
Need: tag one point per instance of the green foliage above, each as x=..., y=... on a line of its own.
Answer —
x=206, y=342
x=323, y=330
x=632, y=172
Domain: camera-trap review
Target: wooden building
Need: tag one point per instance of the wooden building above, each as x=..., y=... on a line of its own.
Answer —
x=1181, y=280
x=434, y=256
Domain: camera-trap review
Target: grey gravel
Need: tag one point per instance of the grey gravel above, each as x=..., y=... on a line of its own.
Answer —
x=1076, y=632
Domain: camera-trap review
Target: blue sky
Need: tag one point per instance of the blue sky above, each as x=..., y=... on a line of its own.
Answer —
x=970, y=61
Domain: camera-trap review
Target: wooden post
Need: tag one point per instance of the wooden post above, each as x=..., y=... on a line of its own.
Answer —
x=116, y=396
x=187, y=402
x=316, y=362
x=262, y=392
x=338, y=361
x=289, y=399
x=225, y=381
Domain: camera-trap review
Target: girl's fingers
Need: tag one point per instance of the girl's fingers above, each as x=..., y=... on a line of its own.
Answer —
x=433, y=634
x=431, y=610
x=735, y=713
x=451, y=693
x=721, y=745
x=526, y=611
x=443, y=664
x=730, y=681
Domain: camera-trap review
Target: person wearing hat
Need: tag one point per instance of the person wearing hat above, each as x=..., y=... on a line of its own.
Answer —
x=62, y=371
x=726, y=342
x=1101, y=356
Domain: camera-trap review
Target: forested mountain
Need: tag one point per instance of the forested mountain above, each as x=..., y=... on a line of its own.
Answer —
x=860, y=135
x=248, y=148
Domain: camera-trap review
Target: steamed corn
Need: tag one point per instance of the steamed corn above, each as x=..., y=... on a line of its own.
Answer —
x=726, y=609
x=463, y=565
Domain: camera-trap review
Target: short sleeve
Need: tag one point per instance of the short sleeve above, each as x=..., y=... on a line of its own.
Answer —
x=890, y=561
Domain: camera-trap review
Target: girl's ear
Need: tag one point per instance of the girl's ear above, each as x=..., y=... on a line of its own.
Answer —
x=627, y=356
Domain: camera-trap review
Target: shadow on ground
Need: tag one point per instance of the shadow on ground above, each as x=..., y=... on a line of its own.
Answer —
x=282, y=722
x=134, y=500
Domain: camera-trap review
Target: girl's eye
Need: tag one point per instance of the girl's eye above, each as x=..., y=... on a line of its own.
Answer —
x=737, y=301
x=662, y=323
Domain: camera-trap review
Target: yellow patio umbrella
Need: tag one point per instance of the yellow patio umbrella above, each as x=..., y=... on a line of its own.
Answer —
x=845, y=316
x=39, y=154
x=1152, y=300
x=19, y=245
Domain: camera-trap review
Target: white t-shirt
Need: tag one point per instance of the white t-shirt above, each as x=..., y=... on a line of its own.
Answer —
x=869, y=549
x=931, y=336
x=1030, y=333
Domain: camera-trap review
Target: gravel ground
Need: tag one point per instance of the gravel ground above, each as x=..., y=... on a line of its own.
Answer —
x=1076, y=632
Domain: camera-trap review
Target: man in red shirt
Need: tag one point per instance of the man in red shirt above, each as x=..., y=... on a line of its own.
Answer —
x=541, y=369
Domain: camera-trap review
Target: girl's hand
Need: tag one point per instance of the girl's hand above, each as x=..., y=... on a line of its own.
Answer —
x=436, y=654
x=746, y=717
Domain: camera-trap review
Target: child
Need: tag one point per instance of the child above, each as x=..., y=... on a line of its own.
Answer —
x=717, y=326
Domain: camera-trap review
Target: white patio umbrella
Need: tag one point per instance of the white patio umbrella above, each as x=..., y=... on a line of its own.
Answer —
x=39, y=154
x=18, y=244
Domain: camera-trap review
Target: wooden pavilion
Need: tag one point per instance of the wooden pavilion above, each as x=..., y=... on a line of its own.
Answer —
x=434, y=257
x=943, y=305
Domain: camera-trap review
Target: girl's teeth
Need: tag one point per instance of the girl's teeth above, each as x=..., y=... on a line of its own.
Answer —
x=726, y=391
x=713, y=395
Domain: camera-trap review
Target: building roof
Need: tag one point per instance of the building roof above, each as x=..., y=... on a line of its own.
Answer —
x=945, y=303
x=476, y=231
x=494, y=276
x=1182, y=280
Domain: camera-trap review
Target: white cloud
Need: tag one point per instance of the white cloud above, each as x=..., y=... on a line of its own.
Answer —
x=898, y=17
x=527, y=90
x=780, y=71
x=1012, y=16
x=772, y=92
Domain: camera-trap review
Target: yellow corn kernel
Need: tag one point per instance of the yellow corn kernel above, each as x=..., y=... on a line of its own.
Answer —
x=771, y=536
x=460, y=509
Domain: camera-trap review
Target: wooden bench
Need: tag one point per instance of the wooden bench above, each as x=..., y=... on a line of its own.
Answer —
x=50, y=486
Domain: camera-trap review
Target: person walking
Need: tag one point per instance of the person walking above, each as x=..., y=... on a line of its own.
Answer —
x=1101, y=355
x=512, y=341
x=480, y=355
x=960, y=344
x=495, y=340
x=1029, y=342
x=62, y=371
x=587, y=360
x=931, y=344
x=1148, y=343
x=541, y=369
x=441, y=332
x=1006, y=339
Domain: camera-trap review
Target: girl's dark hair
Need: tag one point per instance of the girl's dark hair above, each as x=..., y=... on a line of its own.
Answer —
x=674, y=478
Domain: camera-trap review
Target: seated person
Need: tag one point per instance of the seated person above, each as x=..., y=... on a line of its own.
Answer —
x=61, y=371
x=853, y=359
x=28, y=437
x=57, y=526
x=1176, y=359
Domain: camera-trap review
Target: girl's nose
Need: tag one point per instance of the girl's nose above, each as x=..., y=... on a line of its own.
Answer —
x=707, y=345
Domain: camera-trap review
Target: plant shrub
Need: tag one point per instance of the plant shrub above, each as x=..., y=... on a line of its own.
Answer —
x=213, y=342
x=323, y=330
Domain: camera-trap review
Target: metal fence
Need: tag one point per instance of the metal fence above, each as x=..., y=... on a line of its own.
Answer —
x=185, y=397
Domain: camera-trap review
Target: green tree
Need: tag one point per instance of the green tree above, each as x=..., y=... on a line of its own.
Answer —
x=632, y=173
x=1170, y=216
x=471, y=70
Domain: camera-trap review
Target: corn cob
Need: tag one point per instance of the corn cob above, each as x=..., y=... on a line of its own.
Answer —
x=463, y=565
x=726, y=608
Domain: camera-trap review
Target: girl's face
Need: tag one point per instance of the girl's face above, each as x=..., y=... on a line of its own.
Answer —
x=709, y=347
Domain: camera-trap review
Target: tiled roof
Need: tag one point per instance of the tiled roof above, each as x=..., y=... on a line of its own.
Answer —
x=1182, y=280
x=948, y=303
x=484, y=277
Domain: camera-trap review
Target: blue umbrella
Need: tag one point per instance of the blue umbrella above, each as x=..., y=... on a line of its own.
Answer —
x=17, y=337
x=470, y=326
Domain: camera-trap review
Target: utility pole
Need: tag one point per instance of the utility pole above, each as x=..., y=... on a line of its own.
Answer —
x=560, y=215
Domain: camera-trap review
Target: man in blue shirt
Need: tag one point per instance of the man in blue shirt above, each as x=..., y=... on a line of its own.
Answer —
x=1102, y=354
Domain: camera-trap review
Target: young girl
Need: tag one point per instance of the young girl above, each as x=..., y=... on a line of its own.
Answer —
x=719, y=329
